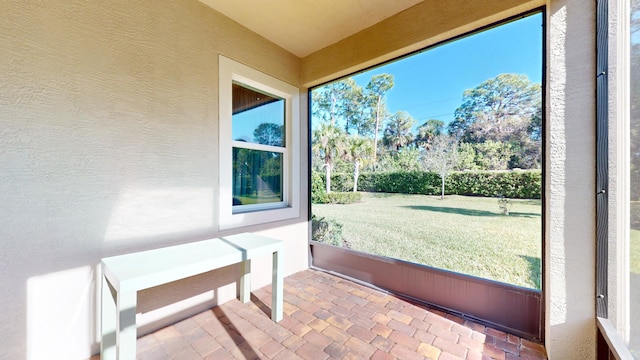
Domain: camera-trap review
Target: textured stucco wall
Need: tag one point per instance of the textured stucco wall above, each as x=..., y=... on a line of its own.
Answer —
x=570, y=179
x=108, y=144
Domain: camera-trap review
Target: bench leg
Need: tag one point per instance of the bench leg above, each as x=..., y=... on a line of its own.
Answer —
x=126, y=337
x=108, y=322
x=245, y=281
x=277, y=287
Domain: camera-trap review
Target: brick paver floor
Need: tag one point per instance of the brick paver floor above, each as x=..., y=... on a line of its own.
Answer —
x=327, y=317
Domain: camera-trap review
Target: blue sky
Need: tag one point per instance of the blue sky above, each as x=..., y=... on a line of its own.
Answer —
x=245, y=122
x=430, y=85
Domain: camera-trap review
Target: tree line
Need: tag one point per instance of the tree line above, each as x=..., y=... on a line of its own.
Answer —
x=498, y=126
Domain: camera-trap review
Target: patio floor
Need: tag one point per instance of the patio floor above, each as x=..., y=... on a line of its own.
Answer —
x=327, y=317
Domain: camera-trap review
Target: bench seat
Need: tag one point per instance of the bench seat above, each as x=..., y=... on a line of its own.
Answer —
x=125, y=275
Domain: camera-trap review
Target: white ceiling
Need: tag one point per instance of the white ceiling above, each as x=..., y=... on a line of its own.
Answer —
x=305, y=26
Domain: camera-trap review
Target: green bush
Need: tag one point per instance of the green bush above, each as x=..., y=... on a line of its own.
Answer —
x=414, y=182
x=511, y=184
x=343, y=197
x=327, y=231
x=342, y=182
x=318, y=192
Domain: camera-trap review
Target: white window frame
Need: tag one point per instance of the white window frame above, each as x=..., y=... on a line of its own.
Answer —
x=620, y=141
x=616, y=327
x=230, y=216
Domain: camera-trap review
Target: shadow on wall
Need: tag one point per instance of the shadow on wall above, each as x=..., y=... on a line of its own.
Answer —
x=109, y=145
x=106, y=148
x=63, y=283
x=65, y=289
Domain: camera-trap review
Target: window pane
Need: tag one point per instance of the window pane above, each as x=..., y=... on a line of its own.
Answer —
x=469, y=112
x=257, y=117
x=257, y=177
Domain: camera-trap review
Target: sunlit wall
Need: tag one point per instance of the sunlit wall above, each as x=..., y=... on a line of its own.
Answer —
x=109, y=144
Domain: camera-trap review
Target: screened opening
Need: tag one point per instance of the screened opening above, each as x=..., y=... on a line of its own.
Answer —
x=435, y=159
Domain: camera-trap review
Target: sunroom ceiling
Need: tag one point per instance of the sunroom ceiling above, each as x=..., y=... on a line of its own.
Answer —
x=305, y=26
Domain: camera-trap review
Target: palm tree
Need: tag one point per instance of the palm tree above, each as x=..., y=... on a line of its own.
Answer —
x=428, y=131
x=358, y=149
x=398, y=132
x=328, y=142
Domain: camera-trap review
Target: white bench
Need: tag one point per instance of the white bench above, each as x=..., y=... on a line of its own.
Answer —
x=125, y=275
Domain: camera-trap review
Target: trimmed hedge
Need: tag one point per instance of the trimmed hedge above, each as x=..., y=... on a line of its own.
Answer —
x=343, y=197
x=413, y=182
x=336, y=198
x=512, y=184
x=319, y=196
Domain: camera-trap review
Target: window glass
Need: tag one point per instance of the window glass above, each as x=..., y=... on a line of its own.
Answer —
x=257, y=117
x=436, y=158
x=257, y=177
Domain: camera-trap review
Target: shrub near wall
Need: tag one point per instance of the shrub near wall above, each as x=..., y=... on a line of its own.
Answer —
x=513, y=184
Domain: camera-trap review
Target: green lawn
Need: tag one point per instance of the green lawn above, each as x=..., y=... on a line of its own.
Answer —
x=462, y=234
